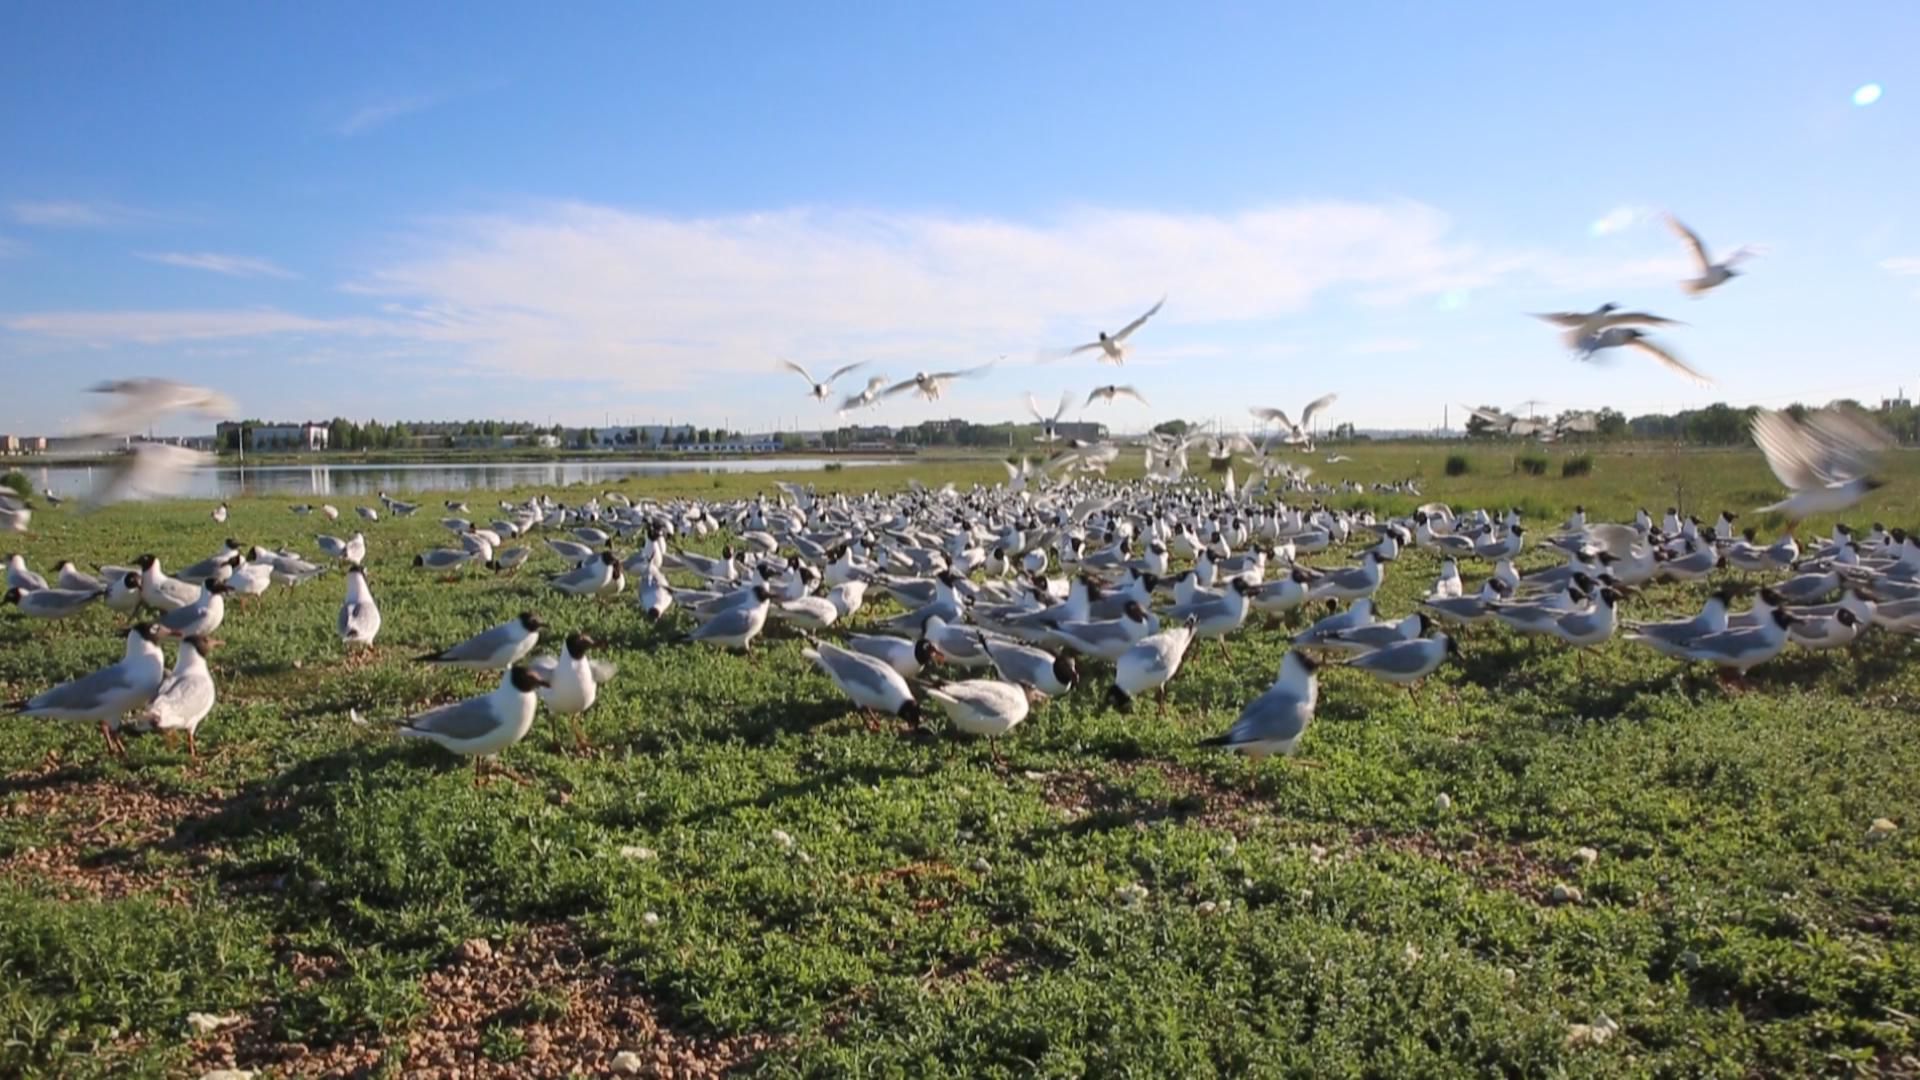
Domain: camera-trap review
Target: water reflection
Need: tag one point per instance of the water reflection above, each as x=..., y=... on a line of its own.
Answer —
x=348, y=481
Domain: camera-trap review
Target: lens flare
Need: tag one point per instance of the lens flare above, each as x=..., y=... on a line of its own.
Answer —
x=1867, y=94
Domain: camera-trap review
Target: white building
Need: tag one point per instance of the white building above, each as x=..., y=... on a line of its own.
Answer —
x=308, y=436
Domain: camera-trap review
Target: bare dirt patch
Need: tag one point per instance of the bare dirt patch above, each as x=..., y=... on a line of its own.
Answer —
x=538, y=1006
x=103, y=831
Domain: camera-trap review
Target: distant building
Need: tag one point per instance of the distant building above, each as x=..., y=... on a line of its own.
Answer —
x=547, y=442
x=1087, y=431
x=10, y=444
x=305, y=437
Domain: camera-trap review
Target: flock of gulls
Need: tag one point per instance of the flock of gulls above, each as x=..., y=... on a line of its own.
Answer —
x=984, y=604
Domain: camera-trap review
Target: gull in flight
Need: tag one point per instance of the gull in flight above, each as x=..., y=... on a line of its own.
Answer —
x=1109, y=392
x=150, y=470
x=822, y=388
x=930, y=386
x=1825, y=461
x=1299, y=434
x=1712, y=274
x=865, y=397
x=1047, y=423
x=1113, y=346
x=1607, y=327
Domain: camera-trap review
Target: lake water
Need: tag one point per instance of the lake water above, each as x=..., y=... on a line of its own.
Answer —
x=348, y=481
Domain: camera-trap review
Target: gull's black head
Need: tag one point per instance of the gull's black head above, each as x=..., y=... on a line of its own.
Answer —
x=1065, y=670
x=12, y=597
x=578, y=644
x=524, y=680
x=148, y=631
x=909, y=711
x=1118, y=698
x=1847, y=617
x=199, y=644
x=218, y=588
x=1134, y=611
x=531, y=623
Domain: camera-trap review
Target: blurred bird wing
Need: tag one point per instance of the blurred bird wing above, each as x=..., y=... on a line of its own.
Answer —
x=1692, y=240
x=1271, y=415
x=838, y=372
x=798, y=370
x=1672, y=362
x=1136, y=324
x=1314, y=406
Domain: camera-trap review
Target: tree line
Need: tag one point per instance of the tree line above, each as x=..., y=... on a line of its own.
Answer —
x=1718, y=424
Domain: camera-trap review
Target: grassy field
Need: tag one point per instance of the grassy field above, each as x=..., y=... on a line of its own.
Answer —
x=744, y=876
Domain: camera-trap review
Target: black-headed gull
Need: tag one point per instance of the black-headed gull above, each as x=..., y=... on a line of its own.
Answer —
x=1711, y=274
x=1112, y=347
x=1825, y=460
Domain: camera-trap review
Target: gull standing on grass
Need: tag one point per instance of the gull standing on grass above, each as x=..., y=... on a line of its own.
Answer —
x=1274, y=722
x=872, y=685
x=495, y=649
x=573, y=682
x=359, y=621
x=108, y=695
x=482, y=726
x=186, y=697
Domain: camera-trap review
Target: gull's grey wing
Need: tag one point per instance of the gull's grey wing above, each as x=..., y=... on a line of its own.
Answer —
x=1136, y=324
x=726, y=624
x=480, y=646
x=470, y=719
x=85, y=693
x=1692, y=240
x=1275, y=715
x=1673, y=362
x=1314, y=406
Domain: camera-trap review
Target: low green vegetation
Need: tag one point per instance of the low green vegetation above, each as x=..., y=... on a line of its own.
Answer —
x=1542, y=866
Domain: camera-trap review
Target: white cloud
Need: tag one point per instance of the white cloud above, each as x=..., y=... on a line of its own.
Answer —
x=64, y=214
x=1382, y=346
x=1619, y=219
x=156, y=327
x=1904, y=265
x=231, y=265
x=589, y=291
x=368, y=117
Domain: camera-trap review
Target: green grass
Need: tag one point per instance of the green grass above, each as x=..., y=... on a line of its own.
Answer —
x=939, y=912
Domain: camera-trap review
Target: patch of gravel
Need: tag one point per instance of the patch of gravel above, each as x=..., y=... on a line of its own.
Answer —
x=103, y=829
x=1501, y=866
x=574, y=1014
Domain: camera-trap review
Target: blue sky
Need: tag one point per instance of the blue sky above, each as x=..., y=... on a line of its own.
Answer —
x=628, y=210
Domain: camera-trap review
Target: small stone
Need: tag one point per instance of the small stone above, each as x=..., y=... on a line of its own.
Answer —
x=982, y=866
x=474, y=951
x=1131, y=895
x=804, y=856
x=784, y=839
x=1567, y=894
x=966, y=835
x=207, y=1023
x=1205, y=907
x=1229, y=846
x=1034, y=776
x=1881, y=830
x=651, y=918
x=637, y=853
x=627, y=1063
x=228, y=1074
x=1584, y=857
x=1317, y=853
x=1411, y=954
x=1689, y=960
x=1443, y=802
x=1509, y=976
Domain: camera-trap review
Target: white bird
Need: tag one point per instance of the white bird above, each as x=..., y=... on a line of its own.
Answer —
x=359, y=621
x=591, y=579
x=70, y=577
x=160, y=592
x=865, y=397
x=15, y=513
x=1825, y=461
x=1581, y=324
x=873, y=685
x=108, y=695
x=1112, y=347
x=930, y=384
x=1150, y=664
x=1407, y=662
x=1302, y=432
x=821, y=388
x=1111, y=391
x=202, y=617
x=482, y=726
x=220, y=514
x=909, y=658
x=185, y=697
x=573, y=682
x=52, y=603
x=494, y=649
x=1274, y=722
x=654, y=596
x=22, y=578
x=984, y=707
x=1615, y=337
x=1048, y=423
x=736, y=627
x=1711, y=274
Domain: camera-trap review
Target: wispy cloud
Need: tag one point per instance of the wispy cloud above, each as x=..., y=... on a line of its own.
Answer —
x=231, y=265
x=1904, y=265
x=1618, y=219
x=68, y=214
x=1383, y=346
x=159, y=327
x=576, y=295
x=368, y=117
